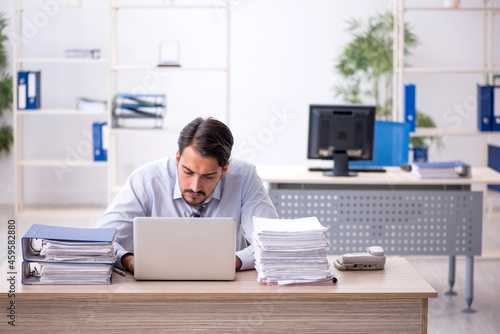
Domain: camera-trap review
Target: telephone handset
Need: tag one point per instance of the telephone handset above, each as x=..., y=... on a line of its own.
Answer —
x=373, y=259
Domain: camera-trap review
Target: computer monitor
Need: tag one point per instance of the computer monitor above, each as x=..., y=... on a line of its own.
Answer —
x=341, y=133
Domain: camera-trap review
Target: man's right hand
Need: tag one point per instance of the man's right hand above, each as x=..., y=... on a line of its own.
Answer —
x=128, y=262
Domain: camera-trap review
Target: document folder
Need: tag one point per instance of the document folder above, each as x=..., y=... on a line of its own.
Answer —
x=99, y=141
x=33, y=101
x=410, y=108
x=66, y=273
x=68, y=255
x=28, y=90
x=484, y=107
x=495, y=113
x=22, y=90
x=76, y=245
x=446, y=169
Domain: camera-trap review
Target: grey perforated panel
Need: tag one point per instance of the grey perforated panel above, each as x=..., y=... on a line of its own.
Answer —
x=403, y=222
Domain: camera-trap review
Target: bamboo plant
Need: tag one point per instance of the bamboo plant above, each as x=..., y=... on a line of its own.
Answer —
x=366, y=68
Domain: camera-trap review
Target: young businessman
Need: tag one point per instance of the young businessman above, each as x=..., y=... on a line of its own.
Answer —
x=202, y=180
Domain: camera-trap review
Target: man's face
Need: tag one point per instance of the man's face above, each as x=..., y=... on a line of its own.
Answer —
x=198, y=176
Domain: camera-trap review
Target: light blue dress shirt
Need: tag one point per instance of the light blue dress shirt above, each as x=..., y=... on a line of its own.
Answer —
x=153, y=191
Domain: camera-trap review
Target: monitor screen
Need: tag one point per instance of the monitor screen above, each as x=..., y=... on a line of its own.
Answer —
x=341, y=133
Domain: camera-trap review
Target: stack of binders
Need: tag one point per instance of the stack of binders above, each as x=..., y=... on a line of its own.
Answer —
x=291, y=251
x=138, y=110
x=68, y=255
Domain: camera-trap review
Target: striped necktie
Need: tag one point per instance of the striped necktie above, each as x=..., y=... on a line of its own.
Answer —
x=197, y=210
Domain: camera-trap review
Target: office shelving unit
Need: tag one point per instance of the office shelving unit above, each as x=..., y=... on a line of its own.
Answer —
x=116, y=68
x=113, y=7
x=489, y=68
x=22, y=61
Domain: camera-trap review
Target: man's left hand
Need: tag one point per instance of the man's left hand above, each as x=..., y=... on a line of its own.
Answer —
x=238, y=263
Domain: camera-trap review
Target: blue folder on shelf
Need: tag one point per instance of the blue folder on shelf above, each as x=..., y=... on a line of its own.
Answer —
x=390, y=147
x=28, y=90
x=410, y=106
x=484, y=107
x=99, y=142
x=495, y=112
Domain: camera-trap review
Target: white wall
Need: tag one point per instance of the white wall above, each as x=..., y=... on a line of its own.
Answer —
x=282, y=58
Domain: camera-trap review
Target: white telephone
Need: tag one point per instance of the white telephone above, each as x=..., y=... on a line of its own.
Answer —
x=372, y=260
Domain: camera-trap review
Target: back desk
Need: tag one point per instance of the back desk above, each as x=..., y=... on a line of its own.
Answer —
x=396, y=210
x=393, y=300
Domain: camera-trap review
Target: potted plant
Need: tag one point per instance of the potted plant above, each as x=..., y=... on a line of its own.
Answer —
x=6, y=132
x=366, y=67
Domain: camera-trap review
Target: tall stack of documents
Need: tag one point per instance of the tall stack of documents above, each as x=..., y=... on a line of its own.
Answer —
x=68, y=255
x=291, y=251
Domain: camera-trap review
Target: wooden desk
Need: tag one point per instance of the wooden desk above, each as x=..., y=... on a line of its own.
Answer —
x=392, y=300
x=396, y=210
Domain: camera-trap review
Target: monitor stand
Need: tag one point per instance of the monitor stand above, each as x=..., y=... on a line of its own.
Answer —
x=340, y=165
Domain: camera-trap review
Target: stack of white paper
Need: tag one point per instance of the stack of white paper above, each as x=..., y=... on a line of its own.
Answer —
x=79, y=251
x=64, y=273
x=291, y=251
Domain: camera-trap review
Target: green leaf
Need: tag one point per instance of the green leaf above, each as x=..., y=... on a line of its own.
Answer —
x=425, y=121
x=368, y=58
x=3, y=38
x=6, y=138
x=6, y=95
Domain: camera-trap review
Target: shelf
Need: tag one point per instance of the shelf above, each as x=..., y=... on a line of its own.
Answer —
x=63, y=60
x=448, y=70
x=169, y=129
x=165, y=6
x=438, y=132
x=65, y=8
x=61, y=112
x=444, y=9
x=166, y=68
x=52, y=162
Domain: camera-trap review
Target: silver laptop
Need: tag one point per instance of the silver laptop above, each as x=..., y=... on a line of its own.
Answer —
x=184, y=248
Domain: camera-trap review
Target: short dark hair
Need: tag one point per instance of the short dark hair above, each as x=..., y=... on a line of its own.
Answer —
x=209, y=137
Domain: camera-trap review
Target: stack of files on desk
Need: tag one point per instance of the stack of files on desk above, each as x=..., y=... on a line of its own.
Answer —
x=68, y=255
x=446, y=169
x=291, y=251
x=138, y=110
